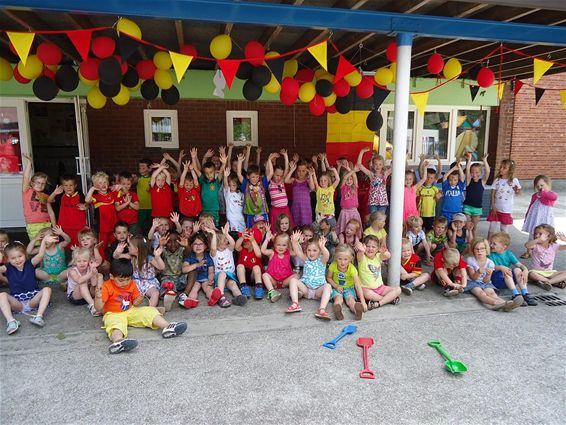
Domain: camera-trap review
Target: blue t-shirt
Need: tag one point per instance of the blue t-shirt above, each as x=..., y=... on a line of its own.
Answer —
x=202, y=271
x=453, y=196
x=505, y=258
x=23, y=281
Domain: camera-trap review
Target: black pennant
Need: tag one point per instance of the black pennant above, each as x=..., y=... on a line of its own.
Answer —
x=538, y=94
x=127, y=47
x=276, y=67
x=379, y=96
x=474, y=92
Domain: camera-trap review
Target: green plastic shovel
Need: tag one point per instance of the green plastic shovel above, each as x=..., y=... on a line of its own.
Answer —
x=453, y=366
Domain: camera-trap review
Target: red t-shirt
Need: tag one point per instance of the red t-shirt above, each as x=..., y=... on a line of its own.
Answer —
x=128, y=214
x=439, y=262
x=190, y=204
x=413, y=264
x=106, y=210
x=161, y=201
x=70, y=216
x=116, y=299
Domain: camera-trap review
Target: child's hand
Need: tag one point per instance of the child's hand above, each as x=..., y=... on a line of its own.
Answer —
x=175, y=217
x=364, y=150
x=222, y=151
x=194, y=152
x=58, y=230
x=196, y=227
x=99, y=244
x=181, y=154
x=27, y=156
x=259, y=150
x=296, y=236
x=164, y=239
x=422, y=157
x=360, y=247
x=74, y=247
x=184, y=242
x=186, y=165
x=484, y=156
x=58, y=190
x=322, y=242
x=208, y=229
x=209, y=153
x=121, y=247
x=50, y=239
x=82, y=207
x=506, y=271
x=283, y=152
x=292, y=166
x=296, y=157
x=561, y=236
x=155, y=222
x=223, y=158
x=98, y=292
x=155, y=165
x=226, y=228
x=468, y=156
x=240, y=157
x=227, y=172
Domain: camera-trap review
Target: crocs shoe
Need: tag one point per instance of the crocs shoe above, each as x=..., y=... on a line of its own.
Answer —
x=13, y=326
x=190, y=303
x=214, y=297
x=122, y=346
x=37, y=321
x=258, y=293
x=273, y=295
x=450, y=292
x=246, y=291
x=174, y=329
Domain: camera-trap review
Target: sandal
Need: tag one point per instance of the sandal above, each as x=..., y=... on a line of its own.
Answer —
x=322, y=314
x=294, y=308
x=561, y=285
x=13, y=326
x=525, y=255
x=223, y=302
x=372, y=305
x=94, y=311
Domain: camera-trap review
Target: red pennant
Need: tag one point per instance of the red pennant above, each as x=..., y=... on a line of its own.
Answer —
x=229, y=67
x=81, y=40
x=518, y=85
x=344, y=68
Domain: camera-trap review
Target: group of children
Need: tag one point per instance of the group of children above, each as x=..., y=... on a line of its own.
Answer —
x=237, y=230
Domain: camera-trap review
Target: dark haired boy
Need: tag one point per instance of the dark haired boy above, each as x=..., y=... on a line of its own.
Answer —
x=210, y=185
x=72, y=207
x=254, y=187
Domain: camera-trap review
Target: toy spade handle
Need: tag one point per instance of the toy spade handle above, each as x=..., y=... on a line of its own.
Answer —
x=367, y=373
x=339, y=337
x=332, y=344
x=444, y=354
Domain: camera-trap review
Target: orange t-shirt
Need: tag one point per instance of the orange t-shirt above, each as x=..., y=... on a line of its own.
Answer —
x=116, y=299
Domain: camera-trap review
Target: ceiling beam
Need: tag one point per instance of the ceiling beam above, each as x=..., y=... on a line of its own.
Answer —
x=545, y=4
x=180, y=33
x=270, y=34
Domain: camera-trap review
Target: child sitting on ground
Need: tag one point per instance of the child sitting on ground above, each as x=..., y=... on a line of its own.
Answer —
x=175, y=248
x=412, y=276
x=377, y=226
x=53, y=266
x=279, y=271
x=350, y=235
x=450, y=272
x=249, y=267
x=459, y=235
x=200, y=263
x=416, y=235
x=119, y=299
x=543, y=250
x=437, y=237
x=82, y=280
x=121, y=235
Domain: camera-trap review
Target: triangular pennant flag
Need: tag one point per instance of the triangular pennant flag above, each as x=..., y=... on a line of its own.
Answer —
x=127, y=46
x=22, y=42
x=379, y=96
x=180, y=64
x=81, y=40
x=538, y=94
x=540, y=67
x=319, y=52
x=563, y=98
x=229, y=68
x=518, y=85
x=344, y=68
x=474, y=91
x=276, y=66
x=420, y=100
x=500, y=90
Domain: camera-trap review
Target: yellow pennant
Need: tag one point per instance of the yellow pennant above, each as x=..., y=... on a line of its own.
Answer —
x=563, y=98
x=540, y=67
x=420, y=100
x=180, y=64
x=500, y=90
x=22, y=42
x=319, y=53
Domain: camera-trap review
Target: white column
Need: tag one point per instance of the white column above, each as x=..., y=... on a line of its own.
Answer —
x=402, y=83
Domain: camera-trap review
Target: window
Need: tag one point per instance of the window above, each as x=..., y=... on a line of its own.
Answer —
x=161, y=128
x=435, y=134
x=241, y=128
x=10, y=153
x=410, y=133
x=470, y=133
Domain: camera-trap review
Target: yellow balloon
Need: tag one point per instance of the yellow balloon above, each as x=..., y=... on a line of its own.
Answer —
x=137, y=86
x=307, y=92
x=353, y=78
x=273, y=86
x=329, y=100
x=163, y=79
x=221, y=46
x=325, y=76
x=122, y=97
x=272, y=54
x=128, y=27
x=87, y=82
x=32, y=69
x=6, y=72
x=290, y=68
x=393, y=69
x=383, y=76
x=452, y=68
x=95, y=98
x=162, y=60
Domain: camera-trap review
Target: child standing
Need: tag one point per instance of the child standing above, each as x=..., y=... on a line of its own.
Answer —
x=302, y=187
x=279, y=270
x=412, y=276
x=410, y=196
x=276, y=175
x=145, y=267
x=210, y=185
x=325, y=195
x=453, y=188
x=82, y=280
x=35, y=201
x=142, y=189
x=348, y=200
x=24, y=295
x=475, y=185
x=254, y=187
x=503, y=191
x=428, y=194
x=190, y=204
x=234, y=200
x=127, y=202
x=104, y=208
x=544, y=249
x=72, y=207
x=161, y=192
x=119, y=299
x=378, y=200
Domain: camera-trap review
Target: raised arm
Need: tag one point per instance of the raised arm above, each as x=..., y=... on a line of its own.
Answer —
x=258, y=151
x=423, y=175
x=487, y=170
x=313, y=182
x=460, y=171
x=241, y=160
x=184, y=173
x=58, y=191
x=283, y=153
x=154, y=175
x=360, y=164
x=208, y=154
x=172, y=160
x=27, y=172
x=295, y=238
x=324, y=253
x=167, y=174
x=213, y=241
x=468, y=168
x=229, y=238
x=58, y=230
x=269, y=166
x=39, y=256
x=292, y=167
x=264, y=249
x=336, y=177
x=195, y=161
x=247, y=156
x=450, y=171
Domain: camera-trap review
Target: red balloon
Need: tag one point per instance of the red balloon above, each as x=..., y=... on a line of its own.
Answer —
x=290, y=88
x=365, y=88
x=341, y=88
x=287, y=99
x=18, y=77
x=123, y=64
x=391, y=52
x=304, y=75
x=435, y=63
x=254, y=49
x=49, y=53
x=89, y=69
x=146, y=69
x=103, y=47
x=316, y=105
x=189, y=50
x=331, y=109
x=48, y=73
x=486, y=77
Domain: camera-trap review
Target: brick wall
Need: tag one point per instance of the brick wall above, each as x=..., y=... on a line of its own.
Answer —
x=116, y=133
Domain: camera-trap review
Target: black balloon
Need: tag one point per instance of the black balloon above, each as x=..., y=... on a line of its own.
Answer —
x=67, y=78
x=324, y=88
x=374, y=121
x=149, y=90
x=251, y=91
x=131, y=78
x=343, y=105
x=110, y=71
x=244, y=71
x=333, y=65
x=170, y=96
x=45, y=88
x=261, y=76
x=109, y=90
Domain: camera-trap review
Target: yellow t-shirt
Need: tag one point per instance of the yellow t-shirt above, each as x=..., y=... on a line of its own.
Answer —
x=143, y=192
x=370, y=272
x=427, y=200
x=343, y=279
x=381, y=234
x=325, y=200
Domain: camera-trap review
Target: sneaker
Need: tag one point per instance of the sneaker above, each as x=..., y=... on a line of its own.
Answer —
x=13, y=326
x=174, y=329
x=421, y=287
x=182, y=298
x=521, y=298
x=406, y=289
x=273, y=295
x=512, y=305
x=122, y=346
x=258, y=293
x=338, y=312
x=37, y=321
x=240, y=300
x=246, y=291
x=530, y=300
x=322, y=314
x=450, y=292
x=545, y=285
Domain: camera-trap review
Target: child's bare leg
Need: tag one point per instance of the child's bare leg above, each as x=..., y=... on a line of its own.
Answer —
x=423, y=278
x=41, y=301
x=116, y=335
x=160, y=322
x=490, y=292
x=295, y=285
x=62, y=276
x=256, y=272
x=518, y=273
x=8, y=304
x=84, y=293
x=194, y=291
x=241, y=273
x=557, y=278
x=538, y=277
x=389, y=294
x=288, y=280
x=509, y=281
x=207, y=289
x=370, y=295
x=233, y=287
x=221, y=281
x=324, y=293
x=483, y=297
x=42, y=275
x=351, y=302
x=153, y=295
x=268, y=281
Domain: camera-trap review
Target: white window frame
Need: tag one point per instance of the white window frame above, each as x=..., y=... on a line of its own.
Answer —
x=230, y=115
x=148, y=114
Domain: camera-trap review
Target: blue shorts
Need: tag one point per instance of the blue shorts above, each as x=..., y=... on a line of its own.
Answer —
x=498, y=279
x=229, y=276
x=348, y=292
x=377, y=208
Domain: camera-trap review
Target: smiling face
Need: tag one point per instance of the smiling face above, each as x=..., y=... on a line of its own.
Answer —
x=416, y=229
x=349, y=181
x=378, y=224
x=163, y=226
x=38, y=184
x=459, y=224
x=406, y=251
x=173, y=242
x=189, y=184
x=475, y=172
x=497, y=245
x=199, y=246
x=409, y=180
x=277, y=175
x=126, y=184
x=187, y=228
x=101, y=184
x=453, y=179
x=324, y=181
x=17, y=257
x=504, y=169
x=377, y=164
x=439, y=229
x=371, y=249
x=87, y=241
x=254, y=178
x=350, y=230
x=430, y=179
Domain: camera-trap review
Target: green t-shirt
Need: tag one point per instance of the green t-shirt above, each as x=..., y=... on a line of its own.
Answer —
x=370, y=272
x=209, y=193
x=343, y=279
x=143, y=192
x=505, y=258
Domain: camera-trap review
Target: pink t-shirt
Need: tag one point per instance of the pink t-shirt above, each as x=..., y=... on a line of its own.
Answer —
x=543, y=258
x=348, y=197
x=35, y=206
x=278, y=194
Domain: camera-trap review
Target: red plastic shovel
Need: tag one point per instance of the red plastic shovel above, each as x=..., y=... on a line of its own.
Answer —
x=365, y=343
